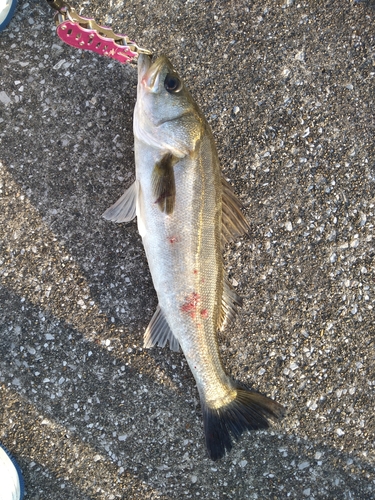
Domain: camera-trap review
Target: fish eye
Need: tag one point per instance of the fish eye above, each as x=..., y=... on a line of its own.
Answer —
x=172, y=84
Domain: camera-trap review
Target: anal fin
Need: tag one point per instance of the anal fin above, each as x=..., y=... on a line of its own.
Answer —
x=124, y=210
x=158, y=332
x=234, y=223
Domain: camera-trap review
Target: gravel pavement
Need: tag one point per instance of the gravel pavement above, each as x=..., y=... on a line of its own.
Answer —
x=289, y=90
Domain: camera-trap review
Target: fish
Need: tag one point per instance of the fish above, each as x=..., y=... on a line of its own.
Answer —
x=186, y=212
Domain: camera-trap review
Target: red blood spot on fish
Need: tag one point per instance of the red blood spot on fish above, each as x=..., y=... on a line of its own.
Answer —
x=204, y=313
x=173, y=239
x=190, y=305
x=195, y=271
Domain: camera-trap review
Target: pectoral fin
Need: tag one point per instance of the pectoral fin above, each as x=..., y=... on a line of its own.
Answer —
x=163, y=183
x=234, y=223
x=124, y=210
x=158, y=332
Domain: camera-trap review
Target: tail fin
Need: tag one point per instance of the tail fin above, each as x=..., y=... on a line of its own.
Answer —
x=250, y=410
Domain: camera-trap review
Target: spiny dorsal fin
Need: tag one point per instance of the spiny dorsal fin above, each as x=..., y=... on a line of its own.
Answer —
x=163, y=183
x=124, y=210
x=234, y=223
x=230, y=302
x=158, y=332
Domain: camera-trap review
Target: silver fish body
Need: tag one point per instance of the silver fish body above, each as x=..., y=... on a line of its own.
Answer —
x=185, y=212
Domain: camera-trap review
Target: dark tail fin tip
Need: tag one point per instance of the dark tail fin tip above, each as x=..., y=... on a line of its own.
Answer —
x=249, y=411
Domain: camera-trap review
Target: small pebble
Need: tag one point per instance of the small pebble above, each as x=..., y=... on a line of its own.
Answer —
x=333, y=258
x=4, y=98
x=303, y=465
x=300, y=56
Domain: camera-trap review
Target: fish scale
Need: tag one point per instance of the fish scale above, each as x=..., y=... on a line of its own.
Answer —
x=173, y=266
x=185, y=212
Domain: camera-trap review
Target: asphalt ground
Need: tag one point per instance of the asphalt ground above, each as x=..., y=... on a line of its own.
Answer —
x=288, y=88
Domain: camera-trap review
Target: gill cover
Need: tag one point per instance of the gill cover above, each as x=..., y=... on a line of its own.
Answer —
x=165, y=115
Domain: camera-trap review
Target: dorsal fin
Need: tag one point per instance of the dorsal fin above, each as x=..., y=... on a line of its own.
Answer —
x=124, y=210
x=234, y=223
x=229, y=305
x=158, y=332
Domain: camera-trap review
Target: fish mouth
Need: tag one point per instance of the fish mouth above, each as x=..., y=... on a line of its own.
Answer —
x=149, y=72
x=144, y=62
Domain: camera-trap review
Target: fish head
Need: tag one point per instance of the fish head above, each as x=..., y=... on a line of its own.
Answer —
x=165, y=115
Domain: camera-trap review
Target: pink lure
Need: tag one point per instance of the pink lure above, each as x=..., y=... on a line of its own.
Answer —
x=75, y=35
